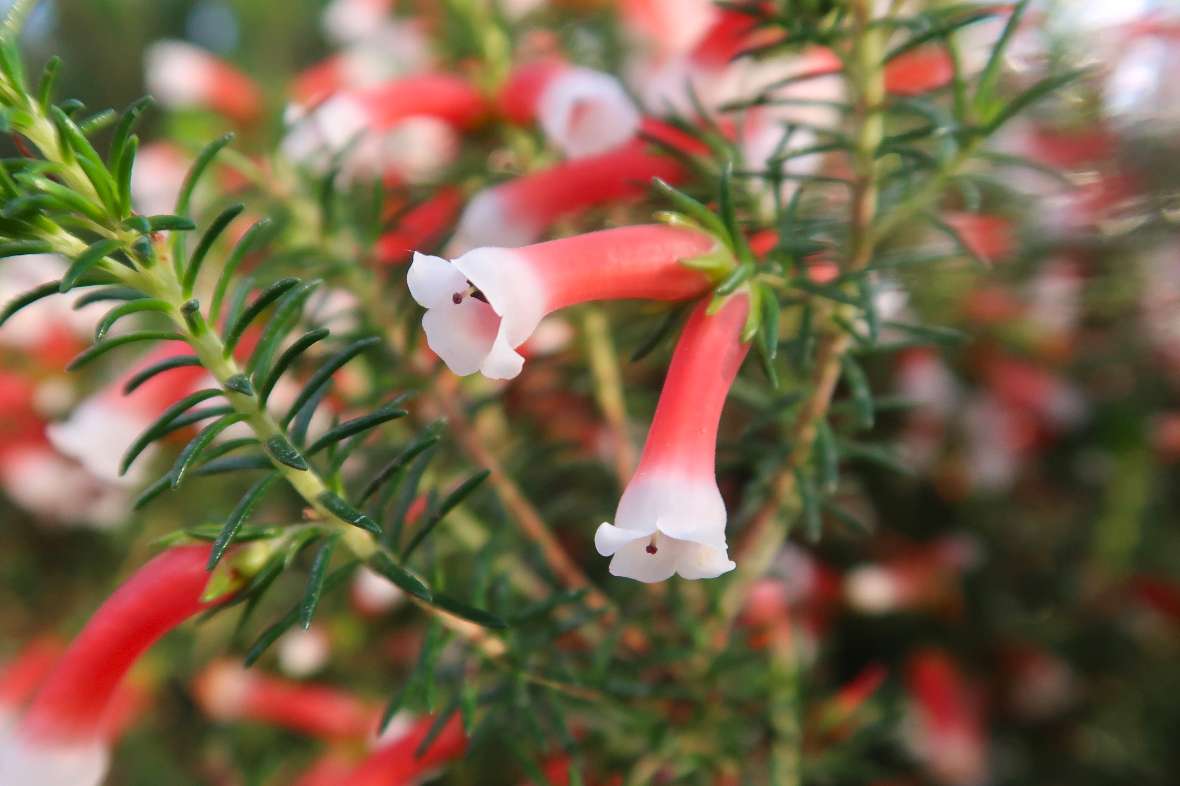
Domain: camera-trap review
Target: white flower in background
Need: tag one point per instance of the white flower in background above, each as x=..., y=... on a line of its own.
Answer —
x=180, y=75
x=582, y=112
x=157, y=177
x=302, y=653
x=49, y=318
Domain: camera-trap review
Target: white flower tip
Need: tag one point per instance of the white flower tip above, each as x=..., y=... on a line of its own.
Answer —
x=374, y=594
x=325, y=131
x=654, y=556
x=872, y=589
x=25, y=762
x=302, y=653
x=587, y=112
x=221, y=689
x=488, y=221
x=97, y=435
x=419, y=148
x=481, y=332
x=348, y=21
x=176, y=73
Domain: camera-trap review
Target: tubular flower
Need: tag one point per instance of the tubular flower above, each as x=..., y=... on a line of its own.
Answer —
x=20, y=677
x=422, y=226
x=181, y=75
x=581, y=111
x=519, y=211
x=379, y=108
x=228, y=691
x=946, y=729
x=671, y=518
x=398, y=761
x=62, y=739
x=102, y=427
x=487, y=302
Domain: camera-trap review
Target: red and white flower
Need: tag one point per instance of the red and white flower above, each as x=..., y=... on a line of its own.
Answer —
x=227, y=691
x=62, y=740
x=671, y=518
x=99, y=431
x=945, y=728
x=398, y=759
x=347, y=21
x=20, y=676
x=181, y=75
x=484, y=304
x=582, y=112
x=520, y=211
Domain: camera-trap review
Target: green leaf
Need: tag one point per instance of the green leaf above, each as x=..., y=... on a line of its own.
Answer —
x=1045, y=87
x=449, y=503
x=862, y=393
x=691, y=208
x=286, y=359
x=161, y=425
x=177, y=361
x=315, y=581
x=286, y=314
x=470, y=613
x=123, y=168
x=84, y=262
x=985, y=84
x=285, y=453
x=436, y=728
x=197, y=170
x=406, y=495
x=665, y=329
x=874, y=454
x=88, y=158
x=827, y=457
x=241, y=512
x=356, y=426
x=131, y=307
x=166, y=222
x=27, y=299
x=402, y=459
x=101, y=348
x=401, y=576
x=812, y=520
x=325, y=372
x=122, y=133
x=192, y=451
x=265, y=298
x=347, y=513
x=184, y=198
x=16, y=248
x=234, y=464
x=216, y=228
x=105, y=294
x=253, y=237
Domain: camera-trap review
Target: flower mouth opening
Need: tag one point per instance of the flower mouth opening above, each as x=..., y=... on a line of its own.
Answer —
x=651, y=547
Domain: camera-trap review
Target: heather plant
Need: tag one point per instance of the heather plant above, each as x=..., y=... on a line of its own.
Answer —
x=557, y=329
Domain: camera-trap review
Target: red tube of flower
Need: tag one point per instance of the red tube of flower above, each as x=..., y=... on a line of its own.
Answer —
x=519, y=211
x=60, y=740
x=581, y=111
x=518, y=286
x=397, y=762
x=671, y=518
x=228, y=691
